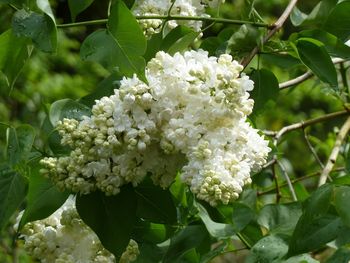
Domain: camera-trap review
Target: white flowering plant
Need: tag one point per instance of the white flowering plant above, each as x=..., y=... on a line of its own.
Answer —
x=175, y=155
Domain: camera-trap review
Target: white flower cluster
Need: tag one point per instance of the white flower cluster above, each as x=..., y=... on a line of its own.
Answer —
x=191, y=116
x=64, y=238
x=180, y=8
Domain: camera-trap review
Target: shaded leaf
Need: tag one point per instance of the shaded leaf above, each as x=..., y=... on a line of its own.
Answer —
x=112, y=219
x=314, y=55
x=341, y=199
x=342, y=255
x=266, y=88
x=13, y=189
x=155, y=204
x=19, y=143
x=192, y=236
x=151, y=232
x=13, y=54
x=78, y=6
x=38, y=27
x=338, y=21
x=43, y=198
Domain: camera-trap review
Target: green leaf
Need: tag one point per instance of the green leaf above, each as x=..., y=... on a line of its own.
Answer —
x=341, y=199
x=150, y=253
x=44, y=6
x=210, y=44
x=334, y=46
x=280, y=218
x=13, y=189
x=241, y=42
x=129, y=39
x=13, y=54
x=153, y=46
x=266, y=89
x=78, y=6
x=317, y=225
x=304, y=258
x=192, y=236
x=338, y=22
x=270, y=249
x=178, y=39
x=67, y=108
x=151, y=232
x=19, y=143
x=38, y=27
x=215, y=229
x=43, y=198
x=155, y=204
x=314, y=55
x=317, y=16
x=105, y=88
x=112, y=218
x=342, y=255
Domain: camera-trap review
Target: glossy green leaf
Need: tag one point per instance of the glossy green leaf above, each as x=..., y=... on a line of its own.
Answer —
x=38, y=27
x=270, y=249
x=155, y=204
x=112, y=218
x=342, y=255
x=182, y=43
x=13, y=189
x=334, y=46
x=341, y=199
x=129, y=39
x=192, y=236
x=314, y=55
x=266, y=89
x=43, y=198
x=176, y=36
x=150, y=253
x=19, y=143
x=67, y=108
x=13, y=54
x=78, y=6
x=338, y=22
x=218, y=230
x=280, y=218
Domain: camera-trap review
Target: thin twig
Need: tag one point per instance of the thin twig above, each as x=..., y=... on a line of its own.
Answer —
x=289, y=183
x=277, y=188
x=305, y=76
x=271, y=190
x=296, y=80
x=335, y=151
x=167, y=18
x=303, y=124
x=276, y=26
x=312, y=149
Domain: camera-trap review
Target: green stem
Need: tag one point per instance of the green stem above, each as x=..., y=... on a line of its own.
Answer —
x=167, y=18
x=244, y=241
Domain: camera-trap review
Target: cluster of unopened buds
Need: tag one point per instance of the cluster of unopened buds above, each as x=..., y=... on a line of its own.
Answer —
x=64, y=238
x=191, y=117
